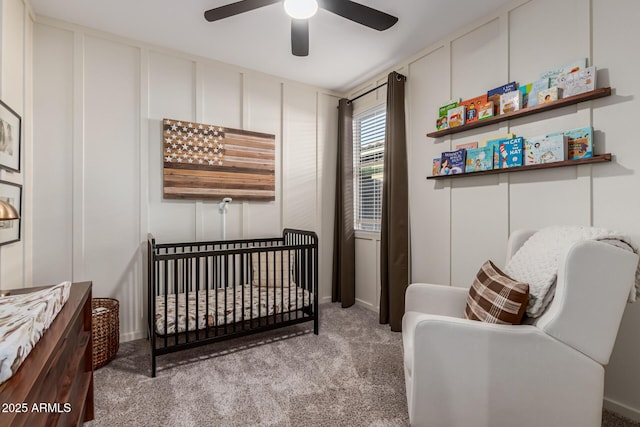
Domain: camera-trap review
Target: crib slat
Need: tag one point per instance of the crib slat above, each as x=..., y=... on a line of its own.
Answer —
x=166, y=304
x=186, y=276
x=281, y=282
x=197, y=262
x=206, y=295
x=260, y=284
x=251, y=278
x=267, y=283
x=235, y=289
x=296, y=278
x=215, y=289
x=242, y=280
x=296, y=241
x=176, y=291
x=225, y=284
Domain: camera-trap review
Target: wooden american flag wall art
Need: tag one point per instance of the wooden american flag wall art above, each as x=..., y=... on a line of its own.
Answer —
x=207, y=162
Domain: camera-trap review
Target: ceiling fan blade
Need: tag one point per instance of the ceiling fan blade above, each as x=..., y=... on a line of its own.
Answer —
x=359, y=13
x=300, y=37
x=235, y=9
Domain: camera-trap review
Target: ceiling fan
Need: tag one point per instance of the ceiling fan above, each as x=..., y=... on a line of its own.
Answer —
x=300, y=12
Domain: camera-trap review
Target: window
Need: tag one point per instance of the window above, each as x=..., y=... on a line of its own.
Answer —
x=368, y=164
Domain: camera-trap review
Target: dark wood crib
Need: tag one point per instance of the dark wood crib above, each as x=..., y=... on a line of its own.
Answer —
x=203, y=292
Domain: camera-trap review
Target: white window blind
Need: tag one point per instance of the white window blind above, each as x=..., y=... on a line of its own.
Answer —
x=368, y=164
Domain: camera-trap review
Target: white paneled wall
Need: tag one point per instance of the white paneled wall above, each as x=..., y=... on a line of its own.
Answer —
x=264, y=108
x=55, y=126
x=172, y=96
x=615, y=185
x=458, y=224
x=100, y=101
x=430, y=247
x=220, y=101
x=28, y=147
x=110, y=185
x=15, y=87
x=300, y=159
x=14, y=51
x=484, y=45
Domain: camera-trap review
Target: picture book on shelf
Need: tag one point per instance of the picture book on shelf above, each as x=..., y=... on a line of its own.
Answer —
x=456, y=116
x=525, y=90
x=536, y=87
x=485, y=111
x=452, y=103
x=579, y=143
x=494, y=143
x=435, y=170
x=442, y=121
x=473, y=105
x=549, y=95
x=494, y=95
x=467, y=145
x=545, y=149
x=452, y=162
x=552, y=75
x=511, y=153
x=509, y=87
x=577, y=82
x=479, y=159
x=510, y=102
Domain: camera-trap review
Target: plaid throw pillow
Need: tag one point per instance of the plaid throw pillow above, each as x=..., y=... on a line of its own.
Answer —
x=495, y=297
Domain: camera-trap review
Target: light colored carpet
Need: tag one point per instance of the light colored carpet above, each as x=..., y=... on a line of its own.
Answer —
x=610, y=419
x=349, y=375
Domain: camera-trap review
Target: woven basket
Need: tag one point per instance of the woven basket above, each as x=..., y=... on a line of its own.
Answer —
x=105, y=329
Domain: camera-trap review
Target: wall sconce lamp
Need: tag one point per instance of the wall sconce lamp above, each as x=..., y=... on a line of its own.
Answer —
x=7, y=212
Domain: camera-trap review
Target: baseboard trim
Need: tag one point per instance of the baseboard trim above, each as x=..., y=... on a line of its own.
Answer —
x=361, y=303
x=622, y=409
x=132, y=336
x=366, y=305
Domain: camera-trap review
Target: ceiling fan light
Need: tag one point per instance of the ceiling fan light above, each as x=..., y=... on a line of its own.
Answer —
x=301, y=9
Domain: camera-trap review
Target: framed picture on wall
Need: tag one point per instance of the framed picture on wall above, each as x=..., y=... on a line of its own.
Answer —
x=10, y=138
x=10, y=230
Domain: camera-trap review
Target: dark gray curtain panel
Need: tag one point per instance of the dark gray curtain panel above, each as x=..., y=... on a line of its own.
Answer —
x=394, y=233
x=344, y=245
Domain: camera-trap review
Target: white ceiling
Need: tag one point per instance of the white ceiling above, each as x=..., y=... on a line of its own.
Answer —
x=342, y=54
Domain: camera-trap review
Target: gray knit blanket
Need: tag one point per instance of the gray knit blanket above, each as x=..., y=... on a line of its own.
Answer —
x=536, y=262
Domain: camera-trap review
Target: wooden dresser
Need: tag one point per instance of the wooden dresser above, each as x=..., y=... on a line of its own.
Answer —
x=54, y=385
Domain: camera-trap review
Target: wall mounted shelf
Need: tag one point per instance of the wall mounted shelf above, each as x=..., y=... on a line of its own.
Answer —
x=595, y=94
x=595, y=159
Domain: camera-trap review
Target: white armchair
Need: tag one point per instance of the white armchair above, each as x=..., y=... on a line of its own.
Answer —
x=461, y=372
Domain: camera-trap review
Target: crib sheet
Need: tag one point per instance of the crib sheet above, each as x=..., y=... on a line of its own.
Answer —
x=258, y=302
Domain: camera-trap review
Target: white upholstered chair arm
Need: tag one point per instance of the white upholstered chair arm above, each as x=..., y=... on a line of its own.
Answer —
x=594, y=281
x=472, y=373
x=436, y=299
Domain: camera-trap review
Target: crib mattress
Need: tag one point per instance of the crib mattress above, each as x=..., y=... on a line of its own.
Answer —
x=255, y=306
